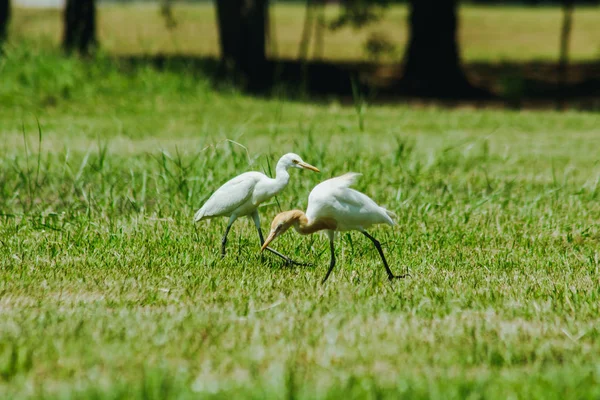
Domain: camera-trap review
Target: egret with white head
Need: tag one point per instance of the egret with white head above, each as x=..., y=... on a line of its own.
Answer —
x=242, y=195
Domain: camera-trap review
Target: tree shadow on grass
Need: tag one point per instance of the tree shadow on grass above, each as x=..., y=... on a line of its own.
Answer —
x=501, y=85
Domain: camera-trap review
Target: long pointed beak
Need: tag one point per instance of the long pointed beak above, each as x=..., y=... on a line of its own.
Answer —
x=269, y=240
x=308, y=166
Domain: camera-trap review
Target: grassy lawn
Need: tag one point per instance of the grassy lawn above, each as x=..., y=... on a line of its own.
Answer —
x=107, y=289
x=487, y=33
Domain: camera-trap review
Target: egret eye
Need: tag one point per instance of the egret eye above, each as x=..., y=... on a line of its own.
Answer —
x=295, y=161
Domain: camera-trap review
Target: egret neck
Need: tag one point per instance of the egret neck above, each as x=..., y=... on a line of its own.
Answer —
x=304, y=226
x=298, y=219
x=282, y=177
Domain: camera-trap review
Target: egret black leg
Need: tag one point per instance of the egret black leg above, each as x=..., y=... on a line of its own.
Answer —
x=261, y=240
x=288, y=260
x=224, y=240
x=391, y=276
x=332, y=262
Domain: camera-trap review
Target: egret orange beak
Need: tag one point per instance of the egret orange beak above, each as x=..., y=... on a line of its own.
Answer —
x=308, y=166
x=270, y=238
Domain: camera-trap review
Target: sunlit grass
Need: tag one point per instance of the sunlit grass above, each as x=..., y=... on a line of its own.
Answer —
x=108, y=290
x=486, y=34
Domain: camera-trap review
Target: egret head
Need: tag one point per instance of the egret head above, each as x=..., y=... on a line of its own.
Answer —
x=281, y=223
x=291, y=160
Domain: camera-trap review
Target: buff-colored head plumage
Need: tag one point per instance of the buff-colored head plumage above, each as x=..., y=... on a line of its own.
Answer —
x=281, y=223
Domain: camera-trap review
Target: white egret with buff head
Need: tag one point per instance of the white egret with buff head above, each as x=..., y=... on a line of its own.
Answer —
x=334, y=206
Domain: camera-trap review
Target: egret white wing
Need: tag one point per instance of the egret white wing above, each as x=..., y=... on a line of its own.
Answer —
x=352, y=209
x=323, y=190
x=226, y=199
x=359, y=210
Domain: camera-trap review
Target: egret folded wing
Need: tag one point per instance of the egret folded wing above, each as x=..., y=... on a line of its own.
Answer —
x=229, y=197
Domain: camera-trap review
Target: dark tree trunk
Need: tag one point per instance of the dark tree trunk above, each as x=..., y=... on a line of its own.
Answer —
x=242, y=36
x=4, y=18
x=432, y=59
x=565, y=36
x=306, y=31
x=80, y=26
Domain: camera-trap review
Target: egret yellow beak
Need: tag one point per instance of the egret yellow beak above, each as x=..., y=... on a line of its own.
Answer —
x=308, y=166
x=270, y=238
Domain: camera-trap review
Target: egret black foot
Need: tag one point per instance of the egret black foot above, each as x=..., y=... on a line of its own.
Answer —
x=392, y=277
x=290, y=262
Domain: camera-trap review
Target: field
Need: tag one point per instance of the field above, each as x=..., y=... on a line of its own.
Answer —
x=486, y=33
x=108, y=290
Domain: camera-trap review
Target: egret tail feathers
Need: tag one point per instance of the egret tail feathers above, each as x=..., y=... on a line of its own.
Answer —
x=347, y=180
x=199, y=215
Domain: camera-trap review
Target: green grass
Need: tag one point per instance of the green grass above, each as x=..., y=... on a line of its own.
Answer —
x=486, y=33
x=107, y=289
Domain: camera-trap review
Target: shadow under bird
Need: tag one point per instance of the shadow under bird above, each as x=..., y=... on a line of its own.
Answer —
x=242, y=195
x=334, y=206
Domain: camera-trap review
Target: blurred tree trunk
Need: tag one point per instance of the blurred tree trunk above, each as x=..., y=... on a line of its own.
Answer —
x=4, y=18
x=242, y=36
x=432, y=59
x=306, y=31
x=311, y=23
x=565, y=36
x=319, y=29
x=80, y=26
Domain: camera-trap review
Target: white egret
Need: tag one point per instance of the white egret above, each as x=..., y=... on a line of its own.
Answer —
x=242, y=195
x=334, y=206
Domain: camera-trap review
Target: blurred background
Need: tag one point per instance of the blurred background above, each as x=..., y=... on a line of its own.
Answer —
x=505, y=53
